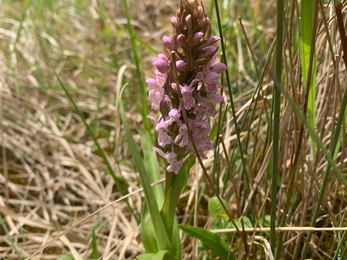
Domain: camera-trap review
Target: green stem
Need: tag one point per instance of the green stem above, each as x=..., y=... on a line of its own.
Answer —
x=237, y=129
x=139, y=74
x=276, y=121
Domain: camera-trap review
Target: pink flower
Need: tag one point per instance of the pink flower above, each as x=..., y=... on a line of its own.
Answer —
x=210, y=42
x=198, y=36
x=174, y=115
x=199, y=127
x=156, y=92
x=212, y=87
x=182, y=138
x=163, y=137
x=209, y=77
x=167, y=42
x=156, y=97
x=174, y=166
x=171, y=158
x=202, y=143
x=218, y=67
x=187, y=98
x=182, y=41
x=208, y=52
x=192, y=79
x=162, y=63
x=181, y=65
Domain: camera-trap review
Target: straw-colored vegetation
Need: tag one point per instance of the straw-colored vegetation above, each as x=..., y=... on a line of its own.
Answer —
x=52, y=174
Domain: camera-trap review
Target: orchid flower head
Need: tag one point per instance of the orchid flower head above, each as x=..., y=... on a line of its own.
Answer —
x=187, y=78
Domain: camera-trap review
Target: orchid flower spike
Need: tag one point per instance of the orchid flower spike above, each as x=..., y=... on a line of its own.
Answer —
x=195, y=79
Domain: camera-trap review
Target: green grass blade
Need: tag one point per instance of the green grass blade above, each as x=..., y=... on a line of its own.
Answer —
x=344, y=254
x=237, y=129
x=172, y=195
x=308, y=63
x=174, y=191
x=160, y=231
x=152, y=168
x=95, y=252
x=210, y=240
x=276, y=121
x=341, y=240
x=161, y=255
x=139, y=73
x=151, y=164
x=24, y=13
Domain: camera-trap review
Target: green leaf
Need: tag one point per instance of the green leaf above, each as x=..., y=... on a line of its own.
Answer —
x=161, y=255
x=151, y=164
x=95, y=252
x=160, y=231
x=139, y=69
x=148, y=235
x=147, y=231
x=210, y=240
x=176, y=240
x=216, y=210
x=265, y=222
x=173, y=193
x=306, y=26
x=306, y=20
x=246, y=223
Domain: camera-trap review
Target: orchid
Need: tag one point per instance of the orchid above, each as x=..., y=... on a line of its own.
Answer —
x=194, y=77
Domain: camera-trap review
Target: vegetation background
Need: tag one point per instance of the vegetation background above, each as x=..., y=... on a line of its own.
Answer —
x=62, y=64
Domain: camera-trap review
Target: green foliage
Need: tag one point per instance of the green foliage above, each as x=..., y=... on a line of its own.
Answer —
x=160, y=232
x=242, y=222
x=276, y=109
x=142, y=86
x=161, y=255
x=95, y=252
x=216, y=210
x=147, y=231
x=212, y=241
x=150, y=162
x=308, y=63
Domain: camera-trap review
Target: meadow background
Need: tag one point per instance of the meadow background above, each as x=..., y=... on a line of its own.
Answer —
x=62, y=65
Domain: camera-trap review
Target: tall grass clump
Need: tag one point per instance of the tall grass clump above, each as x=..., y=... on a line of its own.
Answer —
x=173, y=129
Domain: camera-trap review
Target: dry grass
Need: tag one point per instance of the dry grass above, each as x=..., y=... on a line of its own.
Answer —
x=51, y=174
